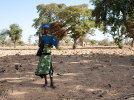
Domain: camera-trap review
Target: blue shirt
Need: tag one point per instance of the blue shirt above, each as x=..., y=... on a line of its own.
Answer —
x=50, y=40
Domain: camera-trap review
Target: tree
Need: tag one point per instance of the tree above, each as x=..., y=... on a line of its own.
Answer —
x=47, y=13
x=15, y=33
x=114, y=16
x=78, y=19
x=130, y=30
x=3, y=35
x=74, y=20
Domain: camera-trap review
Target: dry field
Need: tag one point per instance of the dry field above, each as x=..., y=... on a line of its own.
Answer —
x=90, y=73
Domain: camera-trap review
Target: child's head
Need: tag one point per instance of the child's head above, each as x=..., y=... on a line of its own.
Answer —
x=45, y=31
x=45, y=28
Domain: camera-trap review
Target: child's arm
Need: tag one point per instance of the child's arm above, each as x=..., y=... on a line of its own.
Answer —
x=41, y=46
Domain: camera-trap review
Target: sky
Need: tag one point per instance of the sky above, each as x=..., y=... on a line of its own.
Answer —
x=22, y=12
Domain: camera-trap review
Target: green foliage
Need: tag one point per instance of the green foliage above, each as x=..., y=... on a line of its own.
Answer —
x=21, y=43
x=93, y=42
x=14, y=33
x=115, y=15
x=47, y=13
x=119, y=42
x=78, y=19
x=3, y=35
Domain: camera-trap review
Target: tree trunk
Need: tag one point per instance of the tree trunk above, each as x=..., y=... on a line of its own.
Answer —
x=75, y=43
x=14, y=45
x=82, y=42
x=132, y=43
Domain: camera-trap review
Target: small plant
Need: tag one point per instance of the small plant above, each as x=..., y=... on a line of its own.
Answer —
x=104, y=42
x=93, y=42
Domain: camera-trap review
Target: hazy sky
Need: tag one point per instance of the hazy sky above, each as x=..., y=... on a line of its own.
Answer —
x=23, y=12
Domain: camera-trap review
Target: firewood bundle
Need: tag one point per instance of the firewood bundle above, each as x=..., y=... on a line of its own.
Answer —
x=58, y=29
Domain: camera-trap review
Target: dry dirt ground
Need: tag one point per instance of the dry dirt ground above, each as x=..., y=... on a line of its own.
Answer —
x=92, y=73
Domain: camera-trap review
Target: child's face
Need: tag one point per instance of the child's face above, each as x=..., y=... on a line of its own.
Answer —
x=45, y=31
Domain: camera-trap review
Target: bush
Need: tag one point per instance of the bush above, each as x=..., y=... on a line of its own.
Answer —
x=105, y=42
x=93, y=42
x=21, y=43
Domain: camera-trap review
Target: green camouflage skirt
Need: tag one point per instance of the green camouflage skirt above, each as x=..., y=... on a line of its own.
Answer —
x=44, y=66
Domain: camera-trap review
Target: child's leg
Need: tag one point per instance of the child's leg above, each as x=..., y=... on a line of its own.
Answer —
x=51, y=76
x=45, y=77
x=51, y=81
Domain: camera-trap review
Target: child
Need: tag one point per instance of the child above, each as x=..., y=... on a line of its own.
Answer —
x=46, y=42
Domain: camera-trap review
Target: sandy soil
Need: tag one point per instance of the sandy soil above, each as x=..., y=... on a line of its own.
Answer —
x=92, y=73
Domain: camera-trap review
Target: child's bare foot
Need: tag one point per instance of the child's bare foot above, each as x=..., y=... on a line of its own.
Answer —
x=45, y=85
x=52, y=86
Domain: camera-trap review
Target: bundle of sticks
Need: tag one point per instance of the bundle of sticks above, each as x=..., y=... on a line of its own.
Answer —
x=57, y=29
x=57, y=33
